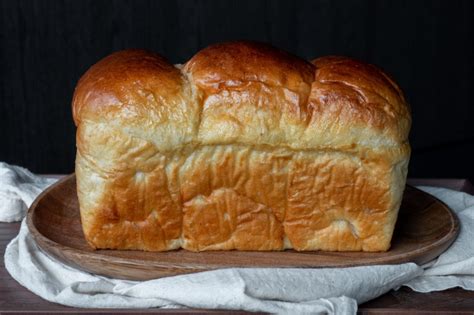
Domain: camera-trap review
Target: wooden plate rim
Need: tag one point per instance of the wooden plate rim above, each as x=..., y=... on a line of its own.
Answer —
x=43, y=242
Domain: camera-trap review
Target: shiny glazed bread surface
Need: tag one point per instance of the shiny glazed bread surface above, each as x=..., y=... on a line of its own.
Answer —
x=244, y=147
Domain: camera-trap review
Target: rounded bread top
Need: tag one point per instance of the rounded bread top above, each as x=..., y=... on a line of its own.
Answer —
x=245, y=93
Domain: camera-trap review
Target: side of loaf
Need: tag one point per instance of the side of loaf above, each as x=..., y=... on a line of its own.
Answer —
x=243, y=147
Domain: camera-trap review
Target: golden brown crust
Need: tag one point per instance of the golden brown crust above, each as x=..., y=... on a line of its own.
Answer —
x=360, y=94
x=124, y=78
x=232, y=65
x=245, y=147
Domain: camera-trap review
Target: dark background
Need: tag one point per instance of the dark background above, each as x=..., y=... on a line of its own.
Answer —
x=427, y=46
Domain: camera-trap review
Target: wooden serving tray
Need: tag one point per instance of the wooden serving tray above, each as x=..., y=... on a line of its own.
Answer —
x=426, y=227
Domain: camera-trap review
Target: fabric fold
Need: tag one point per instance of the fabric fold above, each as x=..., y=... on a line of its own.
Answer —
x=275, y=290
x=18, y=189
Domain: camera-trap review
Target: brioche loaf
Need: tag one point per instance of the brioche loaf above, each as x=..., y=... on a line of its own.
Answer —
x=243, y=147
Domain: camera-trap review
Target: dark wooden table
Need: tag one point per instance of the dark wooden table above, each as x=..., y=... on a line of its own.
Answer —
x=16, y=299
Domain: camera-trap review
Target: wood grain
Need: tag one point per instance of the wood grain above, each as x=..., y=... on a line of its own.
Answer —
x=15, y=299
x=405, y=301
x=426, y=227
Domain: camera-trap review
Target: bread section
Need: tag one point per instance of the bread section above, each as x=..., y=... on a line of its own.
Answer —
x=244, y=147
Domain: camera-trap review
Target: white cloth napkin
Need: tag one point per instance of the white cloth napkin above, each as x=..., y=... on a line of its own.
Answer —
x=18, y=189
x=316, y=291
x=455, y=267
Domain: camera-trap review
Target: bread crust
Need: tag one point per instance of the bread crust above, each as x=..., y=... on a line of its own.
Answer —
x=243, y=147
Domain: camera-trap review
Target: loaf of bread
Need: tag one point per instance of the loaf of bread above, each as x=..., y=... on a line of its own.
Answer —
x=243, y=147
